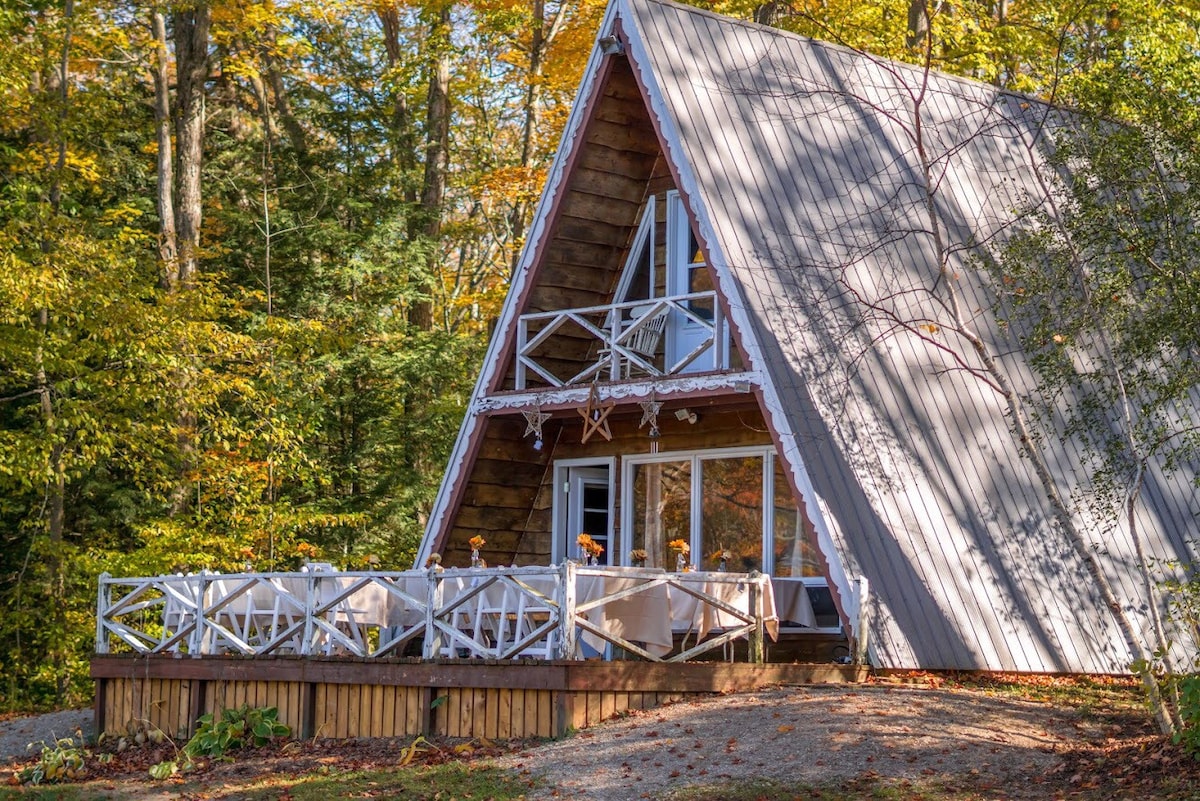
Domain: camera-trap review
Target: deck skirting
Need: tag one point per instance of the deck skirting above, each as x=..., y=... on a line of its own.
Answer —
x=342, y=698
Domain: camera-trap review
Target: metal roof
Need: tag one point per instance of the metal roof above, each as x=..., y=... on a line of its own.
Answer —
x=800, y=165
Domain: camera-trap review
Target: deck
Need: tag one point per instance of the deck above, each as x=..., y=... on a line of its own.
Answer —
x=515, y=652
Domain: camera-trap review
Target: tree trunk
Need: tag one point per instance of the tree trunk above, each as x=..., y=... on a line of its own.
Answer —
x=56, y=482
x=437, y=147
x=403, y=146
x=541, y=37
x=191, y=69
x=168, y=246
x=283, y=106
x=918, y=24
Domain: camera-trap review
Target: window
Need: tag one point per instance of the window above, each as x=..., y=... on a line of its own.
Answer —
x=688, y=272
x=731, y=512
x=716, y=500
x=661, y=509
x=794, y=558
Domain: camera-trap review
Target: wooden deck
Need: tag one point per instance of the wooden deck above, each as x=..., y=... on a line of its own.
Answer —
x=339, y=697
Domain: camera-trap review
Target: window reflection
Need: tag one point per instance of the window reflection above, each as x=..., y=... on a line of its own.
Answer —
x=662, y=508
x=794, y=555
x=731, y=497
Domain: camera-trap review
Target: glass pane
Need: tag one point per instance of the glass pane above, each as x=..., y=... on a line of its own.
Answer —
x=662, y=498
x=794, y=555
x=732, y=513
x=700, y=280
x=823, y=607
x=695, y=255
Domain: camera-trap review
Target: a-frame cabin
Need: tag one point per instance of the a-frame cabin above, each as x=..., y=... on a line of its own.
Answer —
x=702, y=341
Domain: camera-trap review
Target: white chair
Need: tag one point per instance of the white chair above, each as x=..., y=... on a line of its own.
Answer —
x=233, y=619
x=493, y=608
x=342, y=614
x=180, y=603
x=464, y=619
x=529, y=616
x=644, y=340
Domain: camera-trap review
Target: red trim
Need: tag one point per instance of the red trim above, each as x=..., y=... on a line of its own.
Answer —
x=507, y=356
x=460, y=482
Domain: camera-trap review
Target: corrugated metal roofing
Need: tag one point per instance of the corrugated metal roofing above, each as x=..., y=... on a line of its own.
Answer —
x=800, y=165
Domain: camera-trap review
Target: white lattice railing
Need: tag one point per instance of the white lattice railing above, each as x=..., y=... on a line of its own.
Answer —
x=499, y=613
x=629, y=338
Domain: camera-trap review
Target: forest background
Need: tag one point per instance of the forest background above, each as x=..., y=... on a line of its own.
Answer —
x=252, y=250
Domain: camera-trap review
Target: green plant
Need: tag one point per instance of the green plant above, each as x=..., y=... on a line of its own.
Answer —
x=1188, y=736
x=59, y=762
x=236, y=728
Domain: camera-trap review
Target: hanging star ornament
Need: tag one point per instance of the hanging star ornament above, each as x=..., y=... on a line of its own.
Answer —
x=595, y=417
x=650, y=411
x=533, y=421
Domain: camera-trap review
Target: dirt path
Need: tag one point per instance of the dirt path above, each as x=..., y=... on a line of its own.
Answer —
x=998, y=744
x=816, y=734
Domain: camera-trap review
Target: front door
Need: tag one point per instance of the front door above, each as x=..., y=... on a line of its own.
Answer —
x=588, y=509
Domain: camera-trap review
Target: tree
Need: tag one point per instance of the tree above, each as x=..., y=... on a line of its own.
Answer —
x=1109, y=281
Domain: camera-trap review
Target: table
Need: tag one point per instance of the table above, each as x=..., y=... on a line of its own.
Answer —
x=689, y=613
x=272, y=605
x=792, y=603
x=644, y=617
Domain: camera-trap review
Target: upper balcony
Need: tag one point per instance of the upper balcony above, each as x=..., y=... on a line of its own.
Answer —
x=648, y=338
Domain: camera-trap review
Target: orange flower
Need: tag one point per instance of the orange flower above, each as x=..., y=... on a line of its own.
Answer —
x=680, y=545
x=589, y=545
x=477, y=542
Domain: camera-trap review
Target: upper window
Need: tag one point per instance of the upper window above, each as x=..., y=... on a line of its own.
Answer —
x=638, y=277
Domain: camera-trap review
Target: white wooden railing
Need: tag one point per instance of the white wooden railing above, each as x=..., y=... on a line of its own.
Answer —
x=628, y=339
x=558, y=612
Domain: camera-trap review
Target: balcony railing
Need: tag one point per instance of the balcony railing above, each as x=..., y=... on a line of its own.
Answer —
x=626, y=339
x=562, y=612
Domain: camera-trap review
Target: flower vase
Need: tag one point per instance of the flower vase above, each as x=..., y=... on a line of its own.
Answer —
x=474, y=557
x=723, y=566
x=679, y=563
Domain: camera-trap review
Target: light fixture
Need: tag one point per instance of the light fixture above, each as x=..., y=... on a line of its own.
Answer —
x=611, y=46
x=686, y=414
x=741, y=386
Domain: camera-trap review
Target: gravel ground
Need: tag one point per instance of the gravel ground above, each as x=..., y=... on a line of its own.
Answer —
x=16, y=734
x=815, y=733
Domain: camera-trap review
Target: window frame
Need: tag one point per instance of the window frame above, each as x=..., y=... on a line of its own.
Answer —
x=697, y=457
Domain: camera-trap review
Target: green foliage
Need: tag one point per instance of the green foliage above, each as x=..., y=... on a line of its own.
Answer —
x=64, y=760
x=234, y=729
x=1189, y=711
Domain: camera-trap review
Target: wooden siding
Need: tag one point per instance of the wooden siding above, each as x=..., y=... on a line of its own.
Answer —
x=405, y=698
x=509, y=491
x=589, y=238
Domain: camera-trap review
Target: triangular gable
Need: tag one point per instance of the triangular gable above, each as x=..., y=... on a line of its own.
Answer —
x=792, y=164
x=620, y=25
